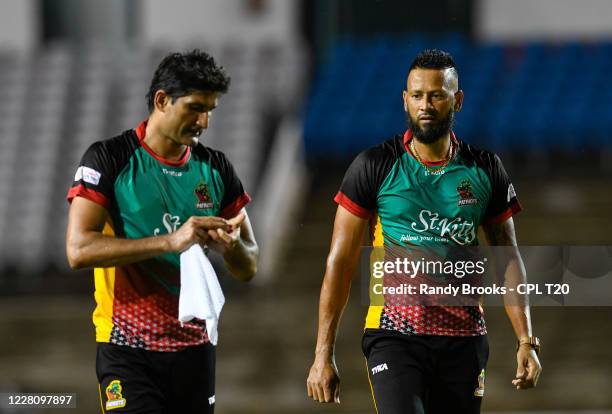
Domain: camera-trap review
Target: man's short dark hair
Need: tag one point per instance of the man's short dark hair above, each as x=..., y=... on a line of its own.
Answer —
x=180, y=74
x=433, y=59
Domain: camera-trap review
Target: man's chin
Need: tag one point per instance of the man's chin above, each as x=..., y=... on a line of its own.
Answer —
x=427, y=136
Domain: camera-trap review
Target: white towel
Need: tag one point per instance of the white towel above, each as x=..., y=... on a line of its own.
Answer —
x=201, y=295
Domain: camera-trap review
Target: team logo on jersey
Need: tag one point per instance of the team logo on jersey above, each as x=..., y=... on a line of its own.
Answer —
x=203, y=195
x=114, y=399
x=479, y=392
x=465, y=192
x=211, y=400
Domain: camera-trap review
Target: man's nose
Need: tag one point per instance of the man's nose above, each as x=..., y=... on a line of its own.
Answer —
x=203, y=120
x=425, y=105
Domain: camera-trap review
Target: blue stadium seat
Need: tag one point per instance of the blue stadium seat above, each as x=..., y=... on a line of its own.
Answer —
x=525, y=97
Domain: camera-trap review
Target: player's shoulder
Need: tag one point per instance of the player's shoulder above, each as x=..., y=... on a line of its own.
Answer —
x=387, y=151
x=481, y=156
x=205, y=153
x=123, y=144
x=214, y=157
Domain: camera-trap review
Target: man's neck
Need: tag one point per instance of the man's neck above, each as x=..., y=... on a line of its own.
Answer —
x=436, y=151
x=161, y=145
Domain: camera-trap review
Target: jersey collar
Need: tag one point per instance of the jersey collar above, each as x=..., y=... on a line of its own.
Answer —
x=408, y=137
x=140, y=133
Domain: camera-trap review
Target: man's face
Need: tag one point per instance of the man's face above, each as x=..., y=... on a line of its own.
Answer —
x=187, y=117
x=431, y=99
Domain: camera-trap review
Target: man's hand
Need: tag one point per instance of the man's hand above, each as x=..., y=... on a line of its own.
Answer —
x=528, y=369
x=323, y=382
x=227, y=238
x=196, y=230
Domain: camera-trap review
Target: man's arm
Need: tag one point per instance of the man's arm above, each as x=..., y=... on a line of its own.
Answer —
x=239, y=247
x=86, y=246
x=323, y=381
x=528, y=366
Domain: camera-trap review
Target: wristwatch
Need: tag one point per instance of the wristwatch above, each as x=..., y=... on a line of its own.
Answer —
x=533, y=341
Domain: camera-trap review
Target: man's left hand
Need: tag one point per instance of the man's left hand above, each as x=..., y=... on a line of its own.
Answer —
x=528, y=369
x=228, y=239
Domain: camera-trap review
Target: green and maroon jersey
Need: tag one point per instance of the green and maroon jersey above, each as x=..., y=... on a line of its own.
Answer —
x=146, y=195
x=410, y=206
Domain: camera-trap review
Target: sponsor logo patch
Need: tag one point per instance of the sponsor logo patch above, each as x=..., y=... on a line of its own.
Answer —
x=465, y=192
x=479, y=392
x=511, y=192
x=211, y=400
x=89, y=175
x=458, y=229
x=113, y=395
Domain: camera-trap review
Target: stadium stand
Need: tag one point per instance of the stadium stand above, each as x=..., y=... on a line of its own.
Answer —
x=513, y=98
x=93, y=92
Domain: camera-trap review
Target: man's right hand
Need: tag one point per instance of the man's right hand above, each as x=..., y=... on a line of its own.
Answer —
x=323, y=382
x=195, y=230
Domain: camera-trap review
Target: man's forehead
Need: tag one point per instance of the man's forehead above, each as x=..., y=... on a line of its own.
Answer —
x=201, y=96
x=443, y=78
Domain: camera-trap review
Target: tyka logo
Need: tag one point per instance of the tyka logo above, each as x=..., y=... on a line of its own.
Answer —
x=170, y=222
x=379, y=368
x=459, y=230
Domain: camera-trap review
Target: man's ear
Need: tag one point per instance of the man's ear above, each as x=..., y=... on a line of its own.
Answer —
x=161, y=100
x=405, y=99
x=458, y=100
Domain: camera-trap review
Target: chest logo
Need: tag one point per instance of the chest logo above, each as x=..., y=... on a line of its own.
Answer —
x=465, y=193
x=203, y=195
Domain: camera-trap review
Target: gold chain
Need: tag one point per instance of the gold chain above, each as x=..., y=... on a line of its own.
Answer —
x=439, y=168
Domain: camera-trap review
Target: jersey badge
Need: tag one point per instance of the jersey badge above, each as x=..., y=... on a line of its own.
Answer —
x=89, y=175
x=203, y=195
x=511, y=192
x=465, y=192
x=113, y=395
x=479, y=392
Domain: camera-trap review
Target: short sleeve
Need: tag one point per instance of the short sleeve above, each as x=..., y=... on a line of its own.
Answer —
x=358, y=191
x=503, y=203
x=234, y=196
x=93, y=177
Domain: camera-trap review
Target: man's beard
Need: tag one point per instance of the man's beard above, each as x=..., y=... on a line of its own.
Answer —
x=434, y=131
